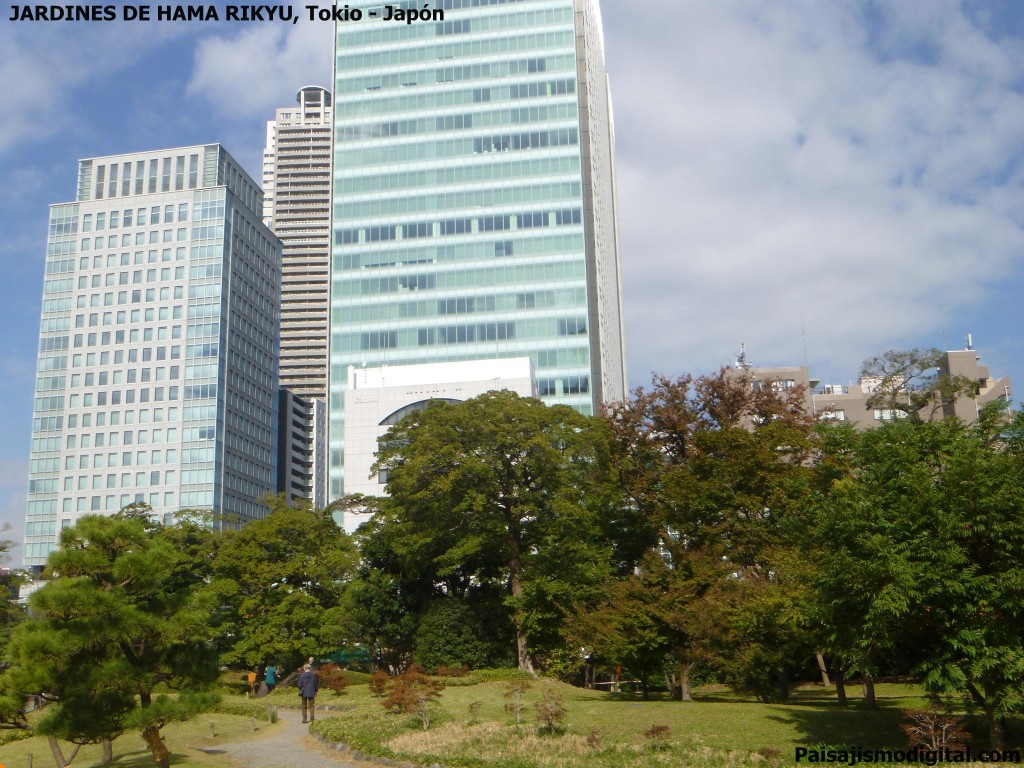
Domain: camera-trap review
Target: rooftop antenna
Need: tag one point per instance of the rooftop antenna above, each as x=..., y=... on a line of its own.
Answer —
x=970, y=342
x=741, y=361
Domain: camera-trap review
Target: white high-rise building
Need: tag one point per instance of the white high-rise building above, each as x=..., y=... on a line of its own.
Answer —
x=474, y=211
x=157, y=371
x=297, y=189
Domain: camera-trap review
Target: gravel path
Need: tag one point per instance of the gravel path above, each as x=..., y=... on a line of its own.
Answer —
x=287, y=746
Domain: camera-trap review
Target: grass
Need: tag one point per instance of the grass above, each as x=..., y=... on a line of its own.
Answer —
x=183, y=739
x=604, y=730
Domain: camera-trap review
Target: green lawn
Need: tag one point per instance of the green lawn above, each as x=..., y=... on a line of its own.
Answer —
x=605, y=730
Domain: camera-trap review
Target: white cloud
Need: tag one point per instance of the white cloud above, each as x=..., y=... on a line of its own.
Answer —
x=804, y=161
x=43, y=64
x=247, y=75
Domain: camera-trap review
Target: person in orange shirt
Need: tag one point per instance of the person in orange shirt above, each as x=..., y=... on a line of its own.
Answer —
x=252, y=682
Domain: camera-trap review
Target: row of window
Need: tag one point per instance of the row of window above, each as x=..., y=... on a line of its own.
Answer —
x=504, y=117
x=152, y=237
x=150, y=314
x=565, y=385
x=165, y=176
x=368, y=313
x=399, y=55
x=137, y=277
x=138, y=217
x=519, y=169
x=420, y=102
x=506, y=274
x=461, y=226
x=112, y=503
x=364, y=35
x=116, y=439
x=106, y=338
x=465, y=334
x=555, y=193
x=343, y=85
x=527, y=243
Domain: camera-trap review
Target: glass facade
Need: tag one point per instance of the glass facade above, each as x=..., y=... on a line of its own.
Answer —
x=473, y=201
x=157, y=353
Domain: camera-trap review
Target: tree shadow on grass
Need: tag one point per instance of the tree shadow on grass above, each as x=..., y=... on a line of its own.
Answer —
x=878, y=728
x=852, y=726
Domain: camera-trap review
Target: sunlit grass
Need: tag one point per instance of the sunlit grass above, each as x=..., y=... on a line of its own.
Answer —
x=184, y=740
x=605, y=730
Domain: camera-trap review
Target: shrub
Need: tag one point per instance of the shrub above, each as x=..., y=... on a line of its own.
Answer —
x=412, y=693
x=658, y=735
x=247, y=708
x=451, y=634
x=460, y=671
x=550, y=713
x=934, y=731
x=378, y=683
x=498, y=675
x=515, y=690
x=474, y=711
x=332, y=677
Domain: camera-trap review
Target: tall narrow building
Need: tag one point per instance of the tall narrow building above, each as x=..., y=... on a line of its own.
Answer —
x=474, y=198
x=297, y=207
x=157, y=362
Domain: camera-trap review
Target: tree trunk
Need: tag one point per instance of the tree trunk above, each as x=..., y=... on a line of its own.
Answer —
x=822, y=668
x=515, y=583
x=672, y=684
x=58, y=755
x=108, y=752
x=151, y=735
x=996, y=730
x=783, y=690
x=869, y=691
x=685, y=694
x=840, y=687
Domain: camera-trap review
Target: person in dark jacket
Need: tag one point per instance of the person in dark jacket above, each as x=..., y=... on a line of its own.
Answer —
x=308, y=686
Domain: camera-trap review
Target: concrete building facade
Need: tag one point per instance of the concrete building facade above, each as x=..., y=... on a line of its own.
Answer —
x=474, y=211
x=851, y=402
x=297, y=189
x=157, y=370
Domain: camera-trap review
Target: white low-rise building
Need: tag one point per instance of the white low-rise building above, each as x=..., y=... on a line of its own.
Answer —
x=377, y=398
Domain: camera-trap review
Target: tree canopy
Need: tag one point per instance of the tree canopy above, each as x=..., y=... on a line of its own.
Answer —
x=500, y=490
x=109, y=627
x=280, y=581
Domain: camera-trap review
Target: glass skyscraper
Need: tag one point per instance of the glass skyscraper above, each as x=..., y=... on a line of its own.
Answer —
x=157, y=361
x=474, y=202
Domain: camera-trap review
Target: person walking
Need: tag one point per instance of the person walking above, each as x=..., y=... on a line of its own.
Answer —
x=252, y=681
x=308, y=686
x=270, y=678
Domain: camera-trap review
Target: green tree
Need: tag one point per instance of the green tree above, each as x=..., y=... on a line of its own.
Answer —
x=111, y=626
x=280, y=581
x=500, y=490
x=927, y=530
x=633, y=625
x=11, y=714
x=452, y=632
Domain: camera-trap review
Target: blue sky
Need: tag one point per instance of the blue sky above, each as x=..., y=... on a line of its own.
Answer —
x=845, y=176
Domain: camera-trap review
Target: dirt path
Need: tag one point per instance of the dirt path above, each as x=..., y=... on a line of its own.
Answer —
x=287, y=746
